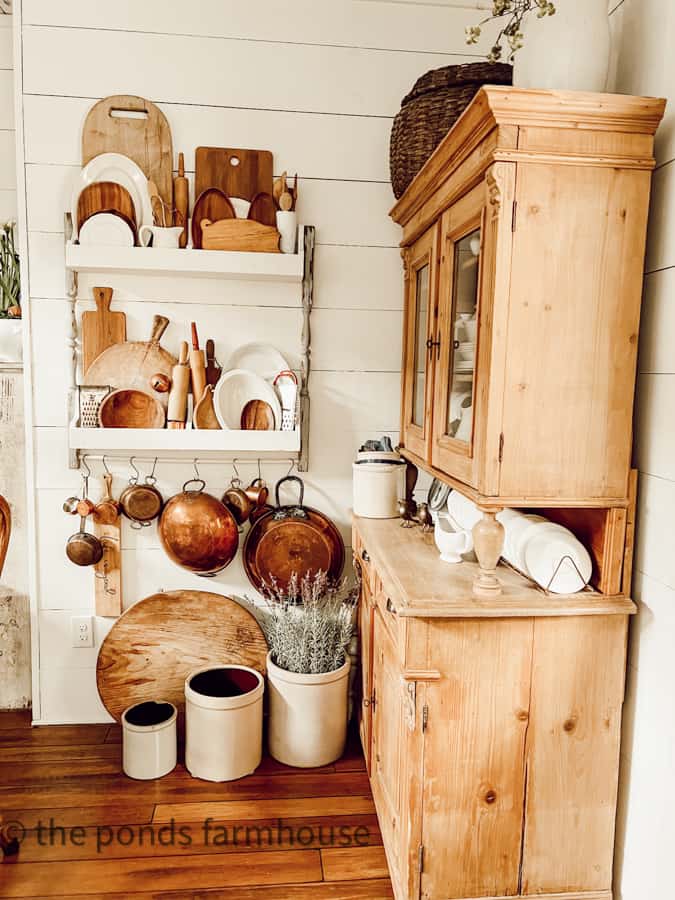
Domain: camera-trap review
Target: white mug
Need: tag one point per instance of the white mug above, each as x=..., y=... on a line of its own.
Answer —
x=161, y=237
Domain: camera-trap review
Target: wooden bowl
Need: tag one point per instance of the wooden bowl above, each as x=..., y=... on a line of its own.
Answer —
x=106, y=196
x=131, y=409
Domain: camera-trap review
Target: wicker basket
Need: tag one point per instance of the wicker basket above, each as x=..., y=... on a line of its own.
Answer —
x=429, y=111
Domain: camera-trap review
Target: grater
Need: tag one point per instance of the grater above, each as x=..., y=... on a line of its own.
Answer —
x=286, y=384
x=91, y=397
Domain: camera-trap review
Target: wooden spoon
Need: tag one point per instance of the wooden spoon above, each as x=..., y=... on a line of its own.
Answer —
x=204, y=416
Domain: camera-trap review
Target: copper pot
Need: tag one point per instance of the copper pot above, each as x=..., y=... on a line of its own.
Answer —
x=197, y=531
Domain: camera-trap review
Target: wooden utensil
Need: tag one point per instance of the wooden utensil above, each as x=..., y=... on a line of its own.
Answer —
x=102, y=328
x=263, y=210
x=137, y=128
x=239, y=234
x=286, y=201
x=238, y=173
x=211, y=204
x=292, y=539
x=5, y=530
x=181, y=199
x=279, y=187
x=197, y=366
x=131, y=365
x=106, y=196
x=213, y=370
x=128, y=408
x=180, y=386
x=204, y=416
x=157, y=642
x=257, y=416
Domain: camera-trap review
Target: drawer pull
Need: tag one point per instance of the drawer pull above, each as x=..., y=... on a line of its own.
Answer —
x=364, y=556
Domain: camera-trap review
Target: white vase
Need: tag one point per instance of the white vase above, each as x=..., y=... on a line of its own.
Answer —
x=308, y=715
x=567, y=51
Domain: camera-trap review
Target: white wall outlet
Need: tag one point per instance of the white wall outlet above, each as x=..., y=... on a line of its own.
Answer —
x=82, y=631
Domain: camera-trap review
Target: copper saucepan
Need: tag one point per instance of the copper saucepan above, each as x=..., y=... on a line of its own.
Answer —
x=141, y=502
x=197, y=531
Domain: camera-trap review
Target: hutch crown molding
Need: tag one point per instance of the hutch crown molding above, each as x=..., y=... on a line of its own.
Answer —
x=491, y=709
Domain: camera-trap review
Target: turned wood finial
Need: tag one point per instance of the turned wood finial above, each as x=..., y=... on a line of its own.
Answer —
x=488, y=540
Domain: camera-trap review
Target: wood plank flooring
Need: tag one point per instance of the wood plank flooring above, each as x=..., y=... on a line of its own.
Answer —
x=90, y=832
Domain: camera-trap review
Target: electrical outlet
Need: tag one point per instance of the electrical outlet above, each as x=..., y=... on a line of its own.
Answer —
x=82, y=631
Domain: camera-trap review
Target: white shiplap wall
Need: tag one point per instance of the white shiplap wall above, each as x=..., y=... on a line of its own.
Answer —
x=316, y=83
x=646, y=65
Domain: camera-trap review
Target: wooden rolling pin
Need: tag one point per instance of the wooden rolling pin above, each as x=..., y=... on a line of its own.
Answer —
x=181, y=194
x=197, y=367
x=180, y=385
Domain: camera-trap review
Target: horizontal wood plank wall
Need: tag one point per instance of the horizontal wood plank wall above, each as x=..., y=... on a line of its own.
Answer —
x=643, y=863
x=7, y=130
x=318, y=85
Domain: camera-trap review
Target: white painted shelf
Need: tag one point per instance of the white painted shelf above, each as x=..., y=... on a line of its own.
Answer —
x=190, y=442
x=279, y=267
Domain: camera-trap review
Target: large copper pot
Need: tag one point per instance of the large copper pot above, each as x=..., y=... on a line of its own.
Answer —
x=198, y=532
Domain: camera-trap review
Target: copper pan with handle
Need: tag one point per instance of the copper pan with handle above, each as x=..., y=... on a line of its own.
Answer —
x=292, y=539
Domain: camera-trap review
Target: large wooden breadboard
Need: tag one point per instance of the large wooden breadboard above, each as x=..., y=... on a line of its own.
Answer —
x=238, y=173
x=156, y=643
x=143, y=135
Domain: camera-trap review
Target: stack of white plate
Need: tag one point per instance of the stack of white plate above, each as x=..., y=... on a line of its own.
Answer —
x=547, y=553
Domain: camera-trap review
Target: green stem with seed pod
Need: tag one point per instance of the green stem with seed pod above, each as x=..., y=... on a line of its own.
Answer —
x=10, y=278
x=513, y=12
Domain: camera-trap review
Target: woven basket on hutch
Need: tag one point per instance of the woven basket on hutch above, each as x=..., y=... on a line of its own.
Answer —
x=429, y=111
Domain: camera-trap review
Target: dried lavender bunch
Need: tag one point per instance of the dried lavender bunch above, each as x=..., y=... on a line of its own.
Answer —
x=513, y=12
x=309, y=625
x=10, y=281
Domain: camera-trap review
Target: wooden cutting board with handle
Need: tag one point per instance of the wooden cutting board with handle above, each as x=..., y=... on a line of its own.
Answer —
x=156, y=643
x=101, y=328
x=238, y=173
x=136, y=128
x=131, y=365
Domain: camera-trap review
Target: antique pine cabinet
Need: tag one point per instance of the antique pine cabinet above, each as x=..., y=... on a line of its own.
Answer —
x=491, y=710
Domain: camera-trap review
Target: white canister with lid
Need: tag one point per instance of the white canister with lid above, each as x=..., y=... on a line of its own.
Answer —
x=378, y=485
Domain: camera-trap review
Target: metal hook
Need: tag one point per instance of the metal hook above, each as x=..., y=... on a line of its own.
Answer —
x=196, y=470
x=85, y=465
x=291, y=468
x=154, y=466
x=134, y=478
x=105, y=466
x=259, y=471
x=235, y=470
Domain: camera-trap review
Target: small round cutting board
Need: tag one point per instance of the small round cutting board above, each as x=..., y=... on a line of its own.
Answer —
x=156, y=643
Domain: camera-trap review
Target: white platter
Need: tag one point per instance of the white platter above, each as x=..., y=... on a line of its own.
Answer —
x=263, y=359
x=235, y=389
x=545, y=556
x=106, y=230
x=120, y=169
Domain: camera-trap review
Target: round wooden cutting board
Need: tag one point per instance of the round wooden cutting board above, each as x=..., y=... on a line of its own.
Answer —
x=156, y=643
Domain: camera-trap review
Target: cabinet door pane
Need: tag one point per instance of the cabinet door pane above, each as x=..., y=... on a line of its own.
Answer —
x=421, y=321
x=466, y=267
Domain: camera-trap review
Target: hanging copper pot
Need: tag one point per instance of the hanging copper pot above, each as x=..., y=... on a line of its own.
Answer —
x=197, y=531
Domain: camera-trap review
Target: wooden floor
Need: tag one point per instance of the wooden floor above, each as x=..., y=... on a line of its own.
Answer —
x=84, y=837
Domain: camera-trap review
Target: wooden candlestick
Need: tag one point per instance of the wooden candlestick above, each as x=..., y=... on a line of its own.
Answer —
x=488, y=541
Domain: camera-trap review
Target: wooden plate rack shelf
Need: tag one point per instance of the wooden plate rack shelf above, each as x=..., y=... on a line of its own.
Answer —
x=297, y=268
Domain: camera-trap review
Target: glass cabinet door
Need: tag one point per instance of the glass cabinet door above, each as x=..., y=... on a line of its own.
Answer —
x=457, y=370
x=464, y=323
x=420, y=321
